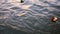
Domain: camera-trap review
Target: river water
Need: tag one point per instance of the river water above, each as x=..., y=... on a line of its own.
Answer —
x=30, y=17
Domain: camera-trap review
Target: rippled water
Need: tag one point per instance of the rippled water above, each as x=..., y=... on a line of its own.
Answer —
x=32, y=16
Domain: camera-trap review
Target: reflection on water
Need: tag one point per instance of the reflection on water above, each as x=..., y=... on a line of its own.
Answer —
x=30, y=17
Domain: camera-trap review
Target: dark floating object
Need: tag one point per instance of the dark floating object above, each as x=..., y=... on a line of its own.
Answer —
x=21, y=1
x=53, y=19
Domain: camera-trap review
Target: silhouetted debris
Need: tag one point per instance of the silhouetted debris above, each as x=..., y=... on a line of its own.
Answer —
x=22, y=1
